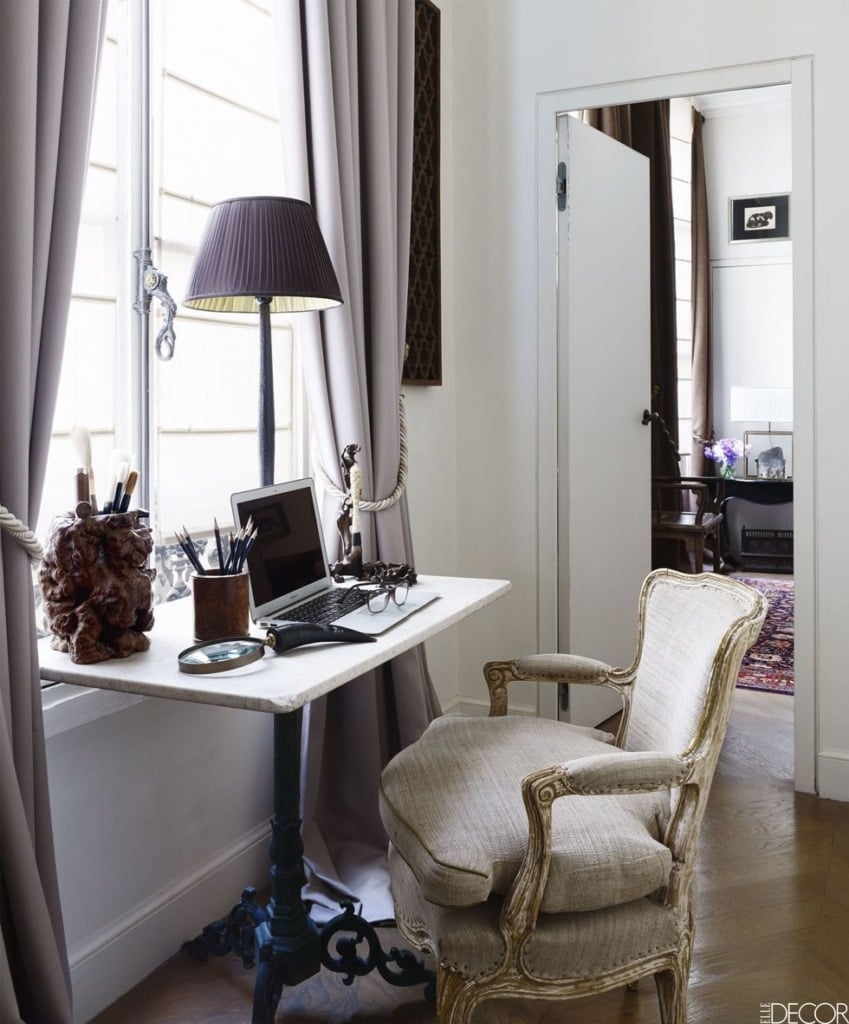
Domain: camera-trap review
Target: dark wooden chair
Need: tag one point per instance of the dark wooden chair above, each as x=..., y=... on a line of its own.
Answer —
x=687, y=510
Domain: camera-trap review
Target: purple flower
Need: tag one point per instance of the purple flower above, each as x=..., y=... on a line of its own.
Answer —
x=726, y=453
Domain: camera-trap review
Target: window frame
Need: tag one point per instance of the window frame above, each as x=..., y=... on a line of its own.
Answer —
x=137, y=318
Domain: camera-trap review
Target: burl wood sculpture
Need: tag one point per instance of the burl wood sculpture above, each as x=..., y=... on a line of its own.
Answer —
x=97, y=591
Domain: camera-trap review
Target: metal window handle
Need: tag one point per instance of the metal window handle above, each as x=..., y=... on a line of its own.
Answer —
x=153, y=284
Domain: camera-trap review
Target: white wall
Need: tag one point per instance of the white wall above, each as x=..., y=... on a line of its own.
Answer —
x=160, y=813
x=748, y=152
x=506, y=53
x=747, y=139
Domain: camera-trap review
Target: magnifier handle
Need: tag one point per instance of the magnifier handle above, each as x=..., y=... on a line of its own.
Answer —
x=296, y=634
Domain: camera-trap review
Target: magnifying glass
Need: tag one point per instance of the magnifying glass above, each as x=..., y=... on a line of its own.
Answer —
x=233, y=652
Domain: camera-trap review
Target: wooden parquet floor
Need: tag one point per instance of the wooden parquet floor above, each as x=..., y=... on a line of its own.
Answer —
x=773, y=917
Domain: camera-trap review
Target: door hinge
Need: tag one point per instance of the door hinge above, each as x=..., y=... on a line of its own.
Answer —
x=561, y=186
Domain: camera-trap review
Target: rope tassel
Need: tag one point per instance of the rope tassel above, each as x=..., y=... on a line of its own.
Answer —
x=22, y=534
x=381, y=504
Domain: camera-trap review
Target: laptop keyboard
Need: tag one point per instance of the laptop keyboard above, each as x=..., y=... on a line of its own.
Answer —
x=322, y=610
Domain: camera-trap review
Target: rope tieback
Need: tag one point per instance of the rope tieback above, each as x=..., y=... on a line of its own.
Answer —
x=22, y=534
x=381, y=504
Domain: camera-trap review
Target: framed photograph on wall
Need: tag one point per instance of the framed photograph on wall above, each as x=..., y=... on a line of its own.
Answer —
x=769, y=454
x=759, y=218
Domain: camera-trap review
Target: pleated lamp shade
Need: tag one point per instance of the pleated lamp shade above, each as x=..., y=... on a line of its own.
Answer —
x=263, y=254
x=262, y=246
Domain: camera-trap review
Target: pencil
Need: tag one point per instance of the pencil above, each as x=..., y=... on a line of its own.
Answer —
x=188, y=545
x=246, y=549
x=219, y=546
x=232, y=554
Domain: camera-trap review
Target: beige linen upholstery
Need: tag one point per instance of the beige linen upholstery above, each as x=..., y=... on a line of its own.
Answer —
x=534, y=858
x=474, y=764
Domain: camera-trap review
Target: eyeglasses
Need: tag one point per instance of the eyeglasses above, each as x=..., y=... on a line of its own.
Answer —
x=378, y=594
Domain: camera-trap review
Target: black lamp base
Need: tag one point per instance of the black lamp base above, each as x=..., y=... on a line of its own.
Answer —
x=265, y=433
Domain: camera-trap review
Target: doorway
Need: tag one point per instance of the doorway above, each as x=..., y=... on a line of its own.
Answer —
x=796, y=73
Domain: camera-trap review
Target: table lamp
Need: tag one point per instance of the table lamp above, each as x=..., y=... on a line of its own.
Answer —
x=761, y=405
x=266, y=253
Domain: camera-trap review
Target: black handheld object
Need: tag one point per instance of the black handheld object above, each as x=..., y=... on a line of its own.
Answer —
x=237, y=651
x=296, y=634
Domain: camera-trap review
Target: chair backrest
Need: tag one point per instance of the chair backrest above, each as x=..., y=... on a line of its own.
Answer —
x=694, y=631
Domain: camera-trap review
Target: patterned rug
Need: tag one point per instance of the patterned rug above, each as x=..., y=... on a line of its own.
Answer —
x=769, y=664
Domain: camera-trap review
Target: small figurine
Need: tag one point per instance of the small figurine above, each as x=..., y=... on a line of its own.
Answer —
x=348, y=518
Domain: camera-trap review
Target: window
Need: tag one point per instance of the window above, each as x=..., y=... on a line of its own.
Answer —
x=214, y=134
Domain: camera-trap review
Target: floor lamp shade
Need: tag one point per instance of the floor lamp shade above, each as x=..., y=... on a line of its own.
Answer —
x=262, y=246
x=266, y=254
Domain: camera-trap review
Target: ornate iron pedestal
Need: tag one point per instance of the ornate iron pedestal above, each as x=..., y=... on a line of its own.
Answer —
x=280, y=940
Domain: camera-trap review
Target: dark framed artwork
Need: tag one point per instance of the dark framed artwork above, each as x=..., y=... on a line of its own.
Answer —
x=759, y=218
x=423, y=350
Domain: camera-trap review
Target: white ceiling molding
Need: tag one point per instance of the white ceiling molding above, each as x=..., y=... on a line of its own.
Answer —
x=744, y=102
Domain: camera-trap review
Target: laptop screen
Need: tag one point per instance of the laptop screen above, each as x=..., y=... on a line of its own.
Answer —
x=287, y=562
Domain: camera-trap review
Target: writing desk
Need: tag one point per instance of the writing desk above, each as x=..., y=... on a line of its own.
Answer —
x=281, y=939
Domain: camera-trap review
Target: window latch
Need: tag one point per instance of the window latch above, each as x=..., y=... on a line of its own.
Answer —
x=153, y=284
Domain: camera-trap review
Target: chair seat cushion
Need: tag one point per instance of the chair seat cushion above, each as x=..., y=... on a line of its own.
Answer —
x=464, y=833
x=469, y=939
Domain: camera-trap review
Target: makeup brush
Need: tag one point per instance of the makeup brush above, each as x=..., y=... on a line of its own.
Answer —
x=81, y=443
x=129, y=487
x=92, y=497
x=121, y=475
x=117, y=457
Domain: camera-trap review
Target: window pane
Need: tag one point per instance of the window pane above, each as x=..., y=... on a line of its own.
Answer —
x=685, y=360
x=214, y=134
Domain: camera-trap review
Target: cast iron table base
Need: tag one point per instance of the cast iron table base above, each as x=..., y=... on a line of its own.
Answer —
x=281, y=941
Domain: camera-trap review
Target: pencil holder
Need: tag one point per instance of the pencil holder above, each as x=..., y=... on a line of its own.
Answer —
x=98, y=600
x=221, y=605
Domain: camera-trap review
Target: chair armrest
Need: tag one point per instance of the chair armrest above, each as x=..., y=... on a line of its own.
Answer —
x=635, y=771
x=549, y=668
x=709, y=497
x=630, y=772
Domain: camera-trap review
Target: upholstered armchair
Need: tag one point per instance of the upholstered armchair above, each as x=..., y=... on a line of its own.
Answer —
x=538, y=859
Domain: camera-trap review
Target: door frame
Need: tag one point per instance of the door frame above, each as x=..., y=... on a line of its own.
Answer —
x=798, y=73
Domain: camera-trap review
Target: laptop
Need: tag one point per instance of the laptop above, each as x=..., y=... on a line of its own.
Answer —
x=288, y=568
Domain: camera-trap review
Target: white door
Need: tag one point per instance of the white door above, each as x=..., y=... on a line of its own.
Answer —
x=604, y=454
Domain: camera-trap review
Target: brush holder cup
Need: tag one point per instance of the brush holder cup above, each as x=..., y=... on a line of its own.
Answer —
x=96, y=585
x=221, y=605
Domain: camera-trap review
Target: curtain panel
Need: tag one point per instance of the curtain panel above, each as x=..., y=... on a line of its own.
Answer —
x=702, y=399
x=347, y=118
x=48, y=66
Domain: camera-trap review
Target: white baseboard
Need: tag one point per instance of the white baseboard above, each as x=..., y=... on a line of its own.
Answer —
x=478, y=707
x=833, y=775
x=116, y=958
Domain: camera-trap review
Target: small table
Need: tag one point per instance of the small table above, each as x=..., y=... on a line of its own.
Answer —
x=289, y=946
x=759, y=491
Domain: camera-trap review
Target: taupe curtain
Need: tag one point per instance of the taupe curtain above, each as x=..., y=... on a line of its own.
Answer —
x=645, y=128
x=48, y=60
x=348, y=129
x=702, y=395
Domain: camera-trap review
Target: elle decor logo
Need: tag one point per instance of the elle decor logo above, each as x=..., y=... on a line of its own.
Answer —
x=804, y=1013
